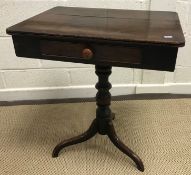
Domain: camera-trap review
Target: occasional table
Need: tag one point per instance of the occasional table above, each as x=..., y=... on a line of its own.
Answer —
x=105, y=38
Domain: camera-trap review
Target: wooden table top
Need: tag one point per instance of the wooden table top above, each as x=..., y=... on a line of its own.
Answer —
x=132, y=26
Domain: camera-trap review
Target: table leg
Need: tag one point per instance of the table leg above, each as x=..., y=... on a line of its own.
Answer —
x=78, y=139
x=122, y=147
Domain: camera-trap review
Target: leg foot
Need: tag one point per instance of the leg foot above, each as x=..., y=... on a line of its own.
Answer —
x=122, y=147
x=113, y=116
x=78, y=139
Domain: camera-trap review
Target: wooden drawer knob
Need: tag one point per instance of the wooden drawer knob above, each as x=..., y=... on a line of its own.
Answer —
x=87, y=53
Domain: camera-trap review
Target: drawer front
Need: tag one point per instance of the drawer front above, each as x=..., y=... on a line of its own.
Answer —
x=91, y=52
x=149, y=57
x=62, y=49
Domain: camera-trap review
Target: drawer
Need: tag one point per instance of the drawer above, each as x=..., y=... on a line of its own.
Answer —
x=91, y=52
x=145, y=57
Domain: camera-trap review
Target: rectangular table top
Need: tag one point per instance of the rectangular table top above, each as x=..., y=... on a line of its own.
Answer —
x=132, y=26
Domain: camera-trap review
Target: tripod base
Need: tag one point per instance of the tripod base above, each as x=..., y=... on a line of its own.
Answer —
x=110, y=131
x=103, y=122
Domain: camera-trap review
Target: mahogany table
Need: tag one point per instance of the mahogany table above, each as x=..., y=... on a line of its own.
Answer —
x=105, y=38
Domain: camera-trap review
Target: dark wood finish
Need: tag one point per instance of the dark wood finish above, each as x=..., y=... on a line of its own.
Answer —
x=145, y=27
x=103, y=122
x=105, y=38
x=103, y=98
x=75, y=140
x=122, y=147
x=143, y=57
x=126, y=38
